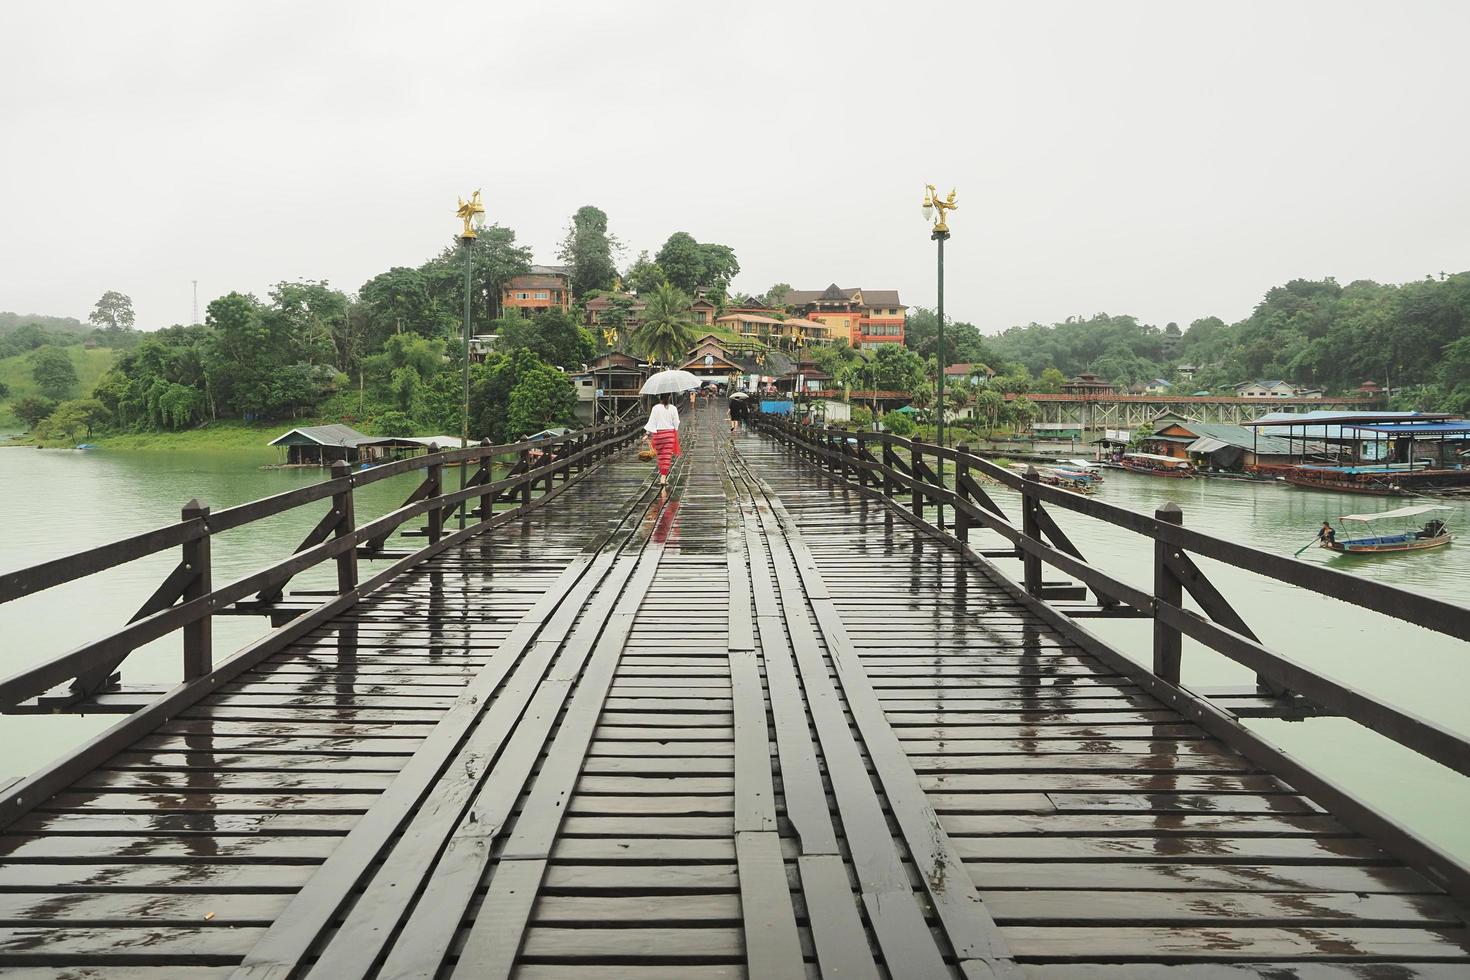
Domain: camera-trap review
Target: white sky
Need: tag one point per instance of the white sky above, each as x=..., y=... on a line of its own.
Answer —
x=1171, y=159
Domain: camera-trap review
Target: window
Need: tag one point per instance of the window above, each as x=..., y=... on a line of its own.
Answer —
x=523, y=295
x=542, y=295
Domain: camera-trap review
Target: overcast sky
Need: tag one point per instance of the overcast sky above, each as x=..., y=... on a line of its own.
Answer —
x=1171, y=160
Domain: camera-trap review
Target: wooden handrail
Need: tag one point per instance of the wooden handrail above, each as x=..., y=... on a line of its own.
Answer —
x=191, y=605
x=1432, y=613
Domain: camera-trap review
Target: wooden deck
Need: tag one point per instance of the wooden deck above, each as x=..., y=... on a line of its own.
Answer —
x=755, y=726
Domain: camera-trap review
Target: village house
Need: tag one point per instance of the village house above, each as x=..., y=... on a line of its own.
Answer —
x=866, y=318
x=545, y=287
x=769, y=328
x=701, y=310
x=1216, y=445
x=972, y=372
x=1265, y=389
x=1087, y=383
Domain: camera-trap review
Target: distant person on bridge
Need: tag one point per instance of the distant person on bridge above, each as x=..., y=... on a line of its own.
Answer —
x=663, y=434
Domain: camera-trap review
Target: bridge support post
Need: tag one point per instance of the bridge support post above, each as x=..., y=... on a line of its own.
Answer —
x=1168, y=643
x=346, y=524
x=436, y=514
x=961, y=470
x=198, y=635
x=1031, y=528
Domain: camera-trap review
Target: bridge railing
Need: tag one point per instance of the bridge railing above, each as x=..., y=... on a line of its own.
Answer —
x=187, y=599
x=901, y=471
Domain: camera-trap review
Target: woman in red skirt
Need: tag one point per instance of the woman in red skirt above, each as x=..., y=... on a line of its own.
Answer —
x=663, y=434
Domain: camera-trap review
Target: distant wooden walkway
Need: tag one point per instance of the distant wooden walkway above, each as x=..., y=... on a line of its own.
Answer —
x=752, y=727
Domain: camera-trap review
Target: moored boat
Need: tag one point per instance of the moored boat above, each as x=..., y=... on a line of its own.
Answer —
x=1152, y=464
x=1434, y=533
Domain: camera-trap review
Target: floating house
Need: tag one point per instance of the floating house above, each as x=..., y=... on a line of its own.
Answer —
x=322, y=445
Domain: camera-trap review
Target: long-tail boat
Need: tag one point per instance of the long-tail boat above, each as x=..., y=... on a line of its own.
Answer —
x=1433, y=534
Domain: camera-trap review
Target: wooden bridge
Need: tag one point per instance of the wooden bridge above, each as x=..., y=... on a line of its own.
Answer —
x=787, y=719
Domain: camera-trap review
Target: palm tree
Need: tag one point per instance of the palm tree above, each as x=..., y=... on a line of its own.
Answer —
x=665, y=332
x=992, y=403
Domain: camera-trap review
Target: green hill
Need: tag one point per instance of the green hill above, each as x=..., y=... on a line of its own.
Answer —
x=15, y=373
x=64, y=324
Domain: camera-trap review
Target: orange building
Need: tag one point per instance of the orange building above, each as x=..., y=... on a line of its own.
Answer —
x=864, y=318
x=545, y=287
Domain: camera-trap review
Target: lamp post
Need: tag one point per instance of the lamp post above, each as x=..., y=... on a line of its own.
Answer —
x=935, y=208
x=472, y=213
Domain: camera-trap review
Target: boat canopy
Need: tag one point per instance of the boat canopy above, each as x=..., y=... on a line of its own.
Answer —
x=1172, y=460
x=1384, y=515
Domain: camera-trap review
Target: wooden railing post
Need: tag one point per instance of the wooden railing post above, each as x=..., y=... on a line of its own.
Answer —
x=198, y=635
x=346, y=524
x=1031, y=528
x=526, y=479
x=436, y=487
x=916, y=458
x=487, y=500
x=1168, y=590
x=890, y=460
x=961, y=470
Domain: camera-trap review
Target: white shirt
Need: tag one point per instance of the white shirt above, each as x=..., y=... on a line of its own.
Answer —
x=662, y=417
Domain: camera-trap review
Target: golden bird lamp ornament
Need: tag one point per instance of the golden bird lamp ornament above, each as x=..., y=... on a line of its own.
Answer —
x=935, y=208
x=472, y=213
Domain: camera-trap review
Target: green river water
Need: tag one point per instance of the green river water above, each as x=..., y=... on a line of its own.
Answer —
x=56, y=502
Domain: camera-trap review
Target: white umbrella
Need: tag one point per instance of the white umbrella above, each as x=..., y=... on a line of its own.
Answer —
x=740, y=396
x=669, y=383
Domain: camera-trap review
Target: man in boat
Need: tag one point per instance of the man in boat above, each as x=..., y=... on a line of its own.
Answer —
x=1327, y=535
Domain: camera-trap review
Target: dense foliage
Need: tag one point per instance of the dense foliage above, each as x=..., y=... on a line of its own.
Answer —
x=1413, y=337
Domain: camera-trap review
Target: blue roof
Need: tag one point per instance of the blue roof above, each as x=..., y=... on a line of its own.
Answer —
x=1413, y=428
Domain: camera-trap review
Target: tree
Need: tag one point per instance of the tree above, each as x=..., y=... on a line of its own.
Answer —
x=644, y=275
x=114, y=312
x=776, y=295
x=70, y=418
x=393, y=424
x=1051, y=381
x=862, y=418
x=4, y=390
x=32, y=409
x=689, y=265
x=1022, y=411
x=53, y=372
x=590, y=249
x=542, y=397
x=551, y=335
x=899, y=424
x=896, y=368
x=681, y=261
x=665, y=332
x=962, y=341
x=990, y=403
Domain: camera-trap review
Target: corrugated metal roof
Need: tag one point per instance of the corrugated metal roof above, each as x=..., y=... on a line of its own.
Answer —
x=321, y=435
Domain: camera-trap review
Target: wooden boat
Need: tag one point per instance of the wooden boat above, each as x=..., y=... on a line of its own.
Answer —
x=1152, y=464
x=1433, y=534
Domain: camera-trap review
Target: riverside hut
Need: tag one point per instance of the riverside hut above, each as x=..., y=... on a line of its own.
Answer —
x=321, y=445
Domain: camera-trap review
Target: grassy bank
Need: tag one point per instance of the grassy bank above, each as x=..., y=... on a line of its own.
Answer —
x=226, y=434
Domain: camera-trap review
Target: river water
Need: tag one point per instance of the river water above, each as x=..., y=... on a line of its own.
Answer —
x=56, y=502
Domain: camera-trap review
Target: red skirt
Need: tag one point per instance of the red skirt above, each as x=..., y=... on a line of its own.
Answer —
x=666, y=444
